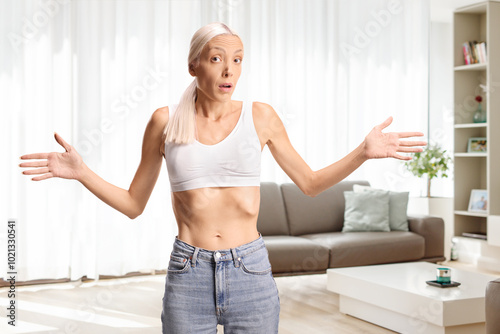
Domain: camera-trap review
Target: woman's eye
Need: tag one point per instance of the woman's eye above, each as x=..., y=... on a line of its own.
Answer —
x=215, y=58
x=238, y=60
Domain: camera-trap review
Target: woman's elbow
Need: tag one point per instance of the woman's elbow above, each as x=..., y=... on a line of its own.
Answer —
x=309, y=188
x=132, y=214
x=309, y=193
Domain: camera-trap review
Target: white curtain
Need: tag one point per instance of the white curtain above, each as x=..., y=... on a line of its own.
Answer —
x=94, y=71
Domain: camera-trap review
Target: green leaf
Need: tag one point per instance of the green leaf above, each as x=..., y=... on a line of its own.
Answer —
x=432, y=162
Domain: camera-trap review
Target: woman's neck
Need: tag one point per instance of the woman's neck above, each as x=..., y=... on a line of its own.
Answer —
x=214, y=110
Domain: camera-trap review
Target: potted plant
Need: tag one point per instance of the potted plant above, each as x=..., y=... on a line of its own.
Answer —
x=432, y=162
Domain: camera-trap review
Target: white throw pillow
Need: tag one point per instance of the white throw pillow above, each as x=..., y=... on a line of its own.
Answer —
x=366, y=212
x=398, y=206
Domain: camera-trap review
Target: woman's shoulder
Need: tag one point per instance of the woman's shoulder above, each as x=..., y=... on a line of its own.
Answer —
x=158, y=122
x=263, y=111
x=161, y=111
x=160, y=116
x=261, y=106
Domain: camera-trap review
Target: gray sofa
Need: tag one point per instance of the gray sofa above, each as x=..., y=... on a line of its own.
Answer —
x=303, y=234
x=493, y=307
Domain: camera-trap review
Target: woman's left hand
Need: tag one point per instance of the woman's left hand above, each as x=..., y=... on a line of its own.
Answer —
x=387, y=145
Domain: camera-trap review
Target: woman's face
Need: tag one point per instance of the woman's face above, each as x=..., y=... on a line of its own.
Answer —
x=219, y=67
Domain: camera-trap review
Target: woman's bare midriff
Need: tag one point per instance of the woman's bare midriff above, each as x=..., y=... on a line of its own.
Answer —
x=218, y=217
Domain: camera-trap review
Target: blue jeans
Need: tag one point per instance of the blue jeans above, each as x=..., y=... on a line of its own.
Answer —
x=231, y=287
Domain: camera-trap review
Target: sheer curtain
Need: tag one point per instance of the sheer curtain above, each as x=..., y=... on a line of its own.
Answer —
x=94, y=71
x=335, y=69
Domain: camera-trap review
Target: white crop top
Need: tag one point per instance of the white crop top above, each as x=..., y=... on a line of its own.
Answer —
x=232, y=162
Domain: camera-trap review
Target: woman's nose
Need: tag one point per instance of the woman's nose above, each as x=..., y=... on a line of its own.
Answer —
x=227, y=72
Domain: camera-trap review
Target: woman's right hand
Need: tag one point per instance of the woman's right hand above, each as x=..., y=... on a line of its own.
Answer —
x=66, y=165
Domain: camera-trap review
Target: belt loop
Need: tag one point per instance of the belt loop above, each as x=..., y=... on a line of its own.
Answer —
x=236, y=258
x=194, y=258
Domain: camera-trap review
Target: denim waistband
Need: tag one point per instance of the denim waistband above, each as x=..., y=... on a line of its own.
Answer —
x=228, y=254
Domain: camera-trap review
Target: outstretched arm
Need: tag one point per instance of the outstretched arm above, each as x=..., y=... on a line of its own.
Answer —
x=376, y=145
x=69, y=165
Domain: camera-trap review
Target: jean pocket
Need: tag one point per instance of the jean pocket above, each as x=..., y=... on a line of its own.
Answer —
x=256, y=263
x=178, y=265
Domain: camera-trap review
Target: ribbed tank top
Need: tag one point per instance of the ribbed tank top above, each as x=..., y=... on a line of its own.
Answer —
x=232, y=162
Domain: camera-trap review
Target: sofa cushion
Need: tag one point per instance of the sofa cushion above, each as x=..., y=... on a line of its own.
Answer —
x=432, y=230
x=295, y=254
x=323, y=213
x=398, y=206
x=272, y=216
x=493, y=307
x=368, y=248
x=366, y=212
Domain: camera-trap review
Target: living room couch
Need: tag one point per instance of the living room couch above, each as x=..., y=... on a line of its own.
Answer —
x=493, y=307
x=304, y=234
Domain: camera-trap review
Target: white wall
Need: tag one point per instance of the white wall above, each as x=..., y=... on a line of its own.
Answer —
x=441, y=97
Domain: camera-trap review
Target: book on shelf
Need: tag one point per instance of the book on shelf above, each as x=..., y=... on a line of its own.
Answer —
x=474, y=52
x=475, y=235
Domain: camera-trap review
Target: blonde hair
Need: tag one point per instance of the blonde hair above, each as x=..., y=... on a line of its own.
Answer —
x=181, y=128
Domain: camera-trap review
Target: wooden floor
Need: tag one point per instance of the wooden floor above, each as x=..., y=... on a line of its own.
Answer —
x=307, y=307
x=133, y=305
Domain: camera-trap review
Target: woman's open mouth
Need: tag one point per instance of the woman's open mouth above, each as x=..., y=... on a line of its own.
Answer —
x=226, y=87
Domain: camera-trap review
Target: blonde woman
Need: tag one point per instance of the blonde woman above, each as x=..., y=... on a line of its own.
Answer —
x=219, y=272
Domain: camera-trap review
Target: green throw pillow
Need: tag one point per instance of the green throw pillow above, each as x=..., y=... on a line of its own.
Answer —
x=366, y=212
x=398, y=206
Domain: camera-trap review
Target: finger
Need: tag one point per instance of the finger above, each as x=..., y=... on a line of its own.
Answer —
x=36, y=171
x=35, y=156
x=43, y=177
x=402, y=157
x=34, y=164
x=61, y=141
x=385, y=123
x=412, y=143
x=410, y=149
x=410, y=134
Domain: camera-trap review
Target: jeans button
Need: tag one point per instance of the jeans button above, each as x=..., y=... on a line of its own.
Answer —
x=217, y=255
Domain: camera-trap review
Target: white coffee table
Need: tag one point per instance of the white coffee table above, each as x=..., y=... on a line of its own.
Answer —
x=395, y=296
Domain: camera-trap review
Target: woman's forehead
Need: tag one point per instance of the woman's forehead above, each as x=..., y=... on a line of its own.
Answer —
x=228, y=43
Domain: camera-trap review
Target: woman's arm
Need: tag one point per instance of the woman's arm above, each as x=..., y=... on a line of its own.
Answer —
x=376, y=145
x=69, y=165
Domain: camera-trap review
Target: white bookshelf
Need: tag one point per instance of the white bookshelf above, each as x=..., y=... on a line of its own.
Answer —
x=471, y=125
x=471, y=67
x=479, y=22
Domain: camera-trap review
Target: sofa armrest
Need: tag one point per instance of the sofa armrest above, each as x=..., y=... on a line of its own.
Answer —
x=493, y=307
x=432, y=229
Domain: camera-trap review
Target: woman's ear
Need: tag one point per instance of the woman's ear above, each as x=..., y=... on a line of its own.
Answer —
x=191, y=70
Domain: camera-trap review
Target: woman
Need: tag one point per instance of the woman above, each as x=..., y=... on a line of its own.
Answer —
x=219, y=272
